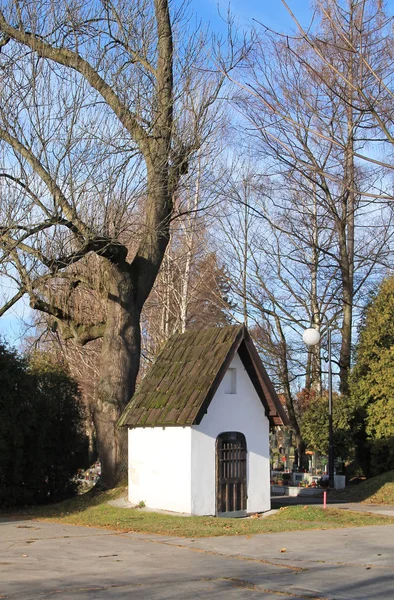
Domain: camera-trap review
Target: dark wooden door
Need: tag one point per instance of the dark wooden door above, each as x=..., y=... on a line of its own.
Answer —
x=231, y=473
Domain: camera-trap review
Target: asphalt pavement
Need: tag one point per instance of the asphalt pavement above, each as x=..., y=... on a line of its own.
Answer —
x=42, y=560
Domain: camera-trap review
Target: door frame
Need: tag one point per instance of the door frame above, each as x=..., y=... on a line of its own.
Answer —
x=218, y=502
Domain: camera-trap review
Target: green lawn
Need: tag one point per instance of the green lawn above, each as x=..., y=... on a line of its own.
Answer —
x=92, y=509
x=375, y=490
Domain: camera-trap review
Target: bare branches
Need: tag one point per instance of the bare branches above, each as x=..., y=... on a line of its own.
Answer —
x=93, y=156
x=12, y=301
x=359, y=45
x=310, y=103
x=52, y=186
x=123, y=38
x=73, y=60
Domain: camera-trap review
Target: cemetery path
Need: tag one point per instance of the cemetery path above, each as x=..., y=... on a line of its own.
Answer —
x=380, y=509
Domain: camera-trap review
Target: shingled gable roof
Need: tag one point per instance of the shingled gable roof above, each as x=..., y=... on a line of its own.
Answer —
x=181, y=383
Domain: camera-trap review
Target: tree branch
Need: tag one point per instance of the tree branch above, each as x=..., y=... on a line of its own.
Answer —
x=52, y=186
x=70, y=329
x=12, y=301
x=68, y=58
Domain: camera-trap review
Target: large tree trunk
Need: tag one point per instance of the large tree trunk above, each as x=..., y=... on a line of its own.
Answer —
x=347, y=255
x=120, y=358
x=128, y=286
x=347, y=237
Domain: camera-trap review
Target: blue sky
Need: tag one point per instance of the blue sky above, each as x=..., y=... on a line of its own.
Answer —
x=12, y=326
x=271, y=13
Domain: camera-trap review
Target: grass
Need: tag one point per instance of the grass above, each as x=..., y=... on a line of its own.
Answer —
x=376, y=490
x=92, y=510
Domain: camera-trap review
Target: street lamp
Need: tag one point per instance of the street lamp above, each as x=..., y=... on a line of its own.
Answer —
x=311, y=337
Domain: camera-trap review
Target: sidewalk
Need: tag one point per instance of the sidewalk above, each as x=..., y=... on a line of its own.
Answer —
x=381, y=509
x=41, y=559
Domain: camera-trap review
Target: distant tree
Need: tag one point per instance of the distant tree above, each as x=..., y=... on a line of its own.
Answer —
x=42, y=441
x=212, y=304
x=372, y=382
x=168, y=310
x=314, y=425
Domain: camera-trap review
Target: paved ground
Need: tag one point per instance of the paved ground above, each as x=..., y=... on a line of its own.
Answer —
x=380, y=509
x=41, y=560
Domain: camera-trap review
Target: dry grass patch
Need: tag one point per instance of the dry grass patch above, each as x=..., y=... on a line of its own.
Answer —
x=93, y=510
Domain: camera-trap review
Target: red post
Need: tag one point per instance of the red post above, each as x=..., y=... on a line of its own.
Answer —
x=325, y=499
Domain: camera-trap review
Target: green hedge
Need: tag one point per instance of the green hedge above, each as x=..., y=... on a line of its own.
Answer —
x=42, y=439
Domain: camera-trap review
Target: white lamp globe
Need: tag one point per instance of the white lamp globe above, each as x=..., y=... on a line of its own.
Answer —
x=311, y=336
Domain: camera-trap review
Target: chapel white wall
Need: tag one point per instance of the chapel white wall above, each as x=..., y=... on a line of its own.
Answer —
x=160, y=467
x=243, y=412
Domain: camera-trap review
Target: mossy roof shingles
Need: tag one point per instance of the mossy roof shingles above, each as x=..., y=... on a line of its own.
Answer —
x=186, y=374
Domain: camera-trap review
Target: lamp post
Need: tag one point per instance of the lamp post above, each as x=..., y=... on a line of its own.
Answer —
x=311, y=337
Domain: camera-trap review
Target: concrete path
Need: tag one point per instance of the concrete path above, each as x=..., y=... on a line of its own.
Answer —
x=40, y=560
x=379, y=509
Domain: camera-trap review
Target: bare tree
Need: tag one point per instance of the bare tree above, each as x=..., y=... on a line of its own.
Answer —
x=174, y=306
x=291, y=277
x=306, y=128
x=103, y=106
x=273, y=258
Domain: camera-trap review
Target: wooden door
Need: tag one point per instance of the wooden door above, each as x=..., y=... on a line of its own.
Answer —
x=231, y=474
